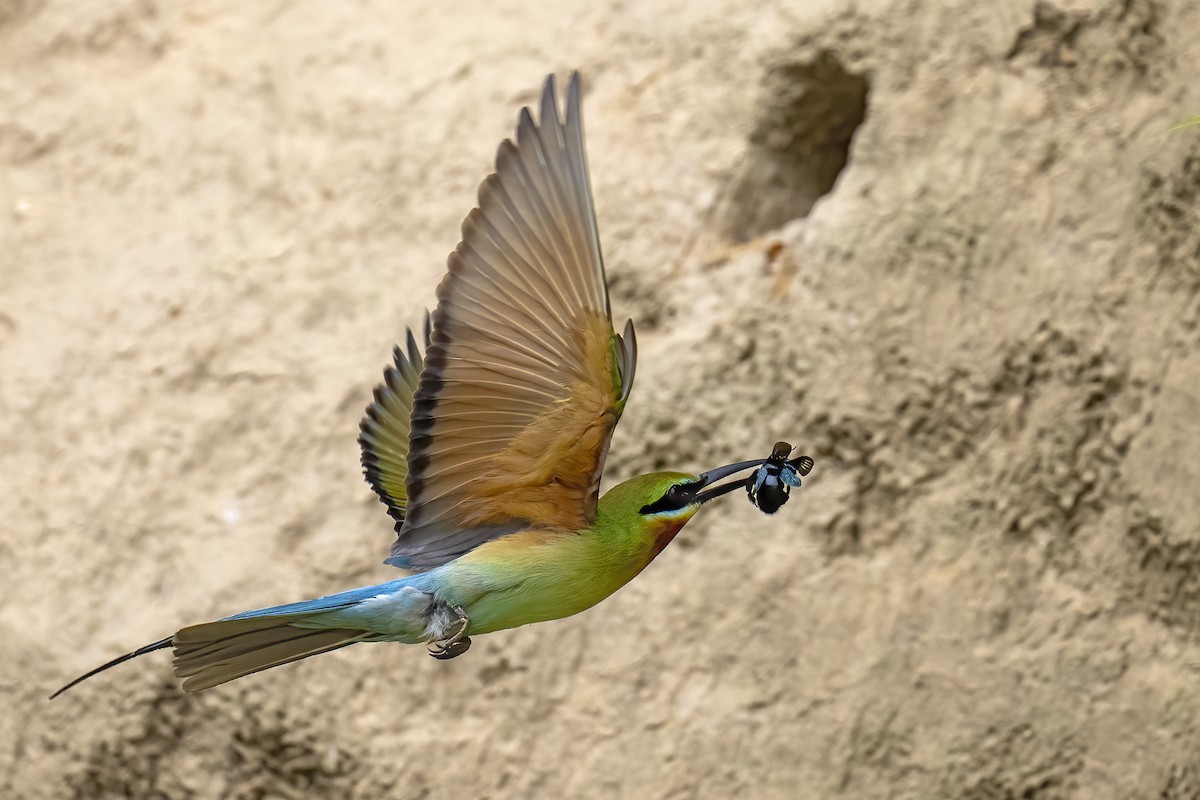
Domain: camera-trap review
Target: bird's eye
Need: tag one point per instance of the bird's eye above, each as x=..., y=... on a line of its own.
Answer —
x=675, y=497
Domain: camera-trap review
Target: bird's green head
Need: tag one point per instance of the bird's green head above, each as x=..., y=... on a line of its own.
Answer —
x=669, y=499
x=652, y=496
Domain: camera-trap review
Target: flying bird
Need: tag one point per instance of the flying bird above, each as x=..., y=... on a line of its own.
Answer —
x=487, y=438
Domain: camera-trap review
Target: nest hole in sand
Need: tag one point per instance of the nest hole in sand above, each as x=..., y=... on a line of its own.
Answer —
x=809, y=111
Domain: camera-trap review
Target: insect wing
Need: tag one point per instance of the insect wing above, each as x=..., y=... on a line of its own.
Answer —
x=790, y=475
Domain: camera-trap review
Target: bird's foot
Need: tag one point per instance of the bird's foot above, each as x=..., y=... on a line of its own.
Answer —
x=457, y=644
x=447, y=650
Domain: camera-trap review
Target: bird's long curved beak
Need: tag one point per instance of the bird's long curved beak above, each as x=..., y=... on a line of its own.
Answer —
x=705, y=480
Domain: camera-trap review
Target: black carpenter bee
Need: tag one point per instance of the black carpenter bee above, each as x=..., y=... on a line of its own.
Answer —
x=769, y=485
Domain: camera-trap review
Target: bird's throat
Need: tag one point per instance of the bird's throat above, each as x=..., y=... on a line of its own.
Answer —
x=663, y=532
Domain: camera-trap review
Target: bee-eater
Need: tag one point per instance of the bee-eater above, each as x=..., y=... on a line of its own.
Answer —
x=487, y=440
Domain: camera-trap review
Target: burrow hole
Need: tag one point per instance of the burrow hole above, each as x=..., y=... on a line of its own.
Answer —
x=809, y=111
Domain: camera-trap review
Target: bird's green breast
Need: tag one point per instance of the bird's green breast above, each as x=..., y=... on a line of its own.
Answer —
x=533, y=576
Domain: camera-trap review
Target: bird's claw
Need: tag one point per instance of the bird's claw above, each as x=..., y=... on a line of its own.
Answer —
x=450, y=649
x=457, y=644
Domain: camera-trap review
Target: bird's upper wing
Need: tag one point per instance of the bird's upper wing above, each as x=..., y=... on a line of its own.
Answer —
x=524, y=378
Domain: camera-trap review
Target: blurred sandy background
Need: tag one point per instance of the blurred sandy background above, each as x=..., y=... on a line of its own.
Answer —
x=216, y=217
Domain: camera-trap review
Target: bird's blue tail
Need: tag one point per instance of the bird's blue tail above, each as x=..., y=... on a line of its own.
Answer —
x=215, y=652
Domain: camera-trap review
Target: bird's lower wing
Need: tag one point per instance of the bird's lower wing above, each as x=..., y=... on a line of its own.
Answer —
x=385, y=428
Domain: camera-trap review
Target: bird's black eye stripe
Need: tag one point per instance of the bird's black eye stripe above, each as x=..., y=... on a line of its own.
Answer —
x=678, y=496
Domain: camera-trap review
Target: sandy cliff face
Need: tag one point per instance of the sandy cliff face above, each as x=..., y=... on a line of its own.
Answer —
x=948, y=248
